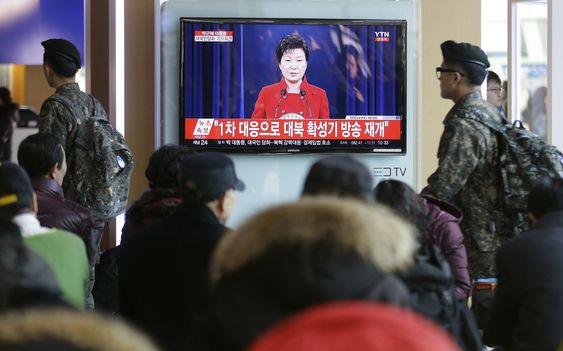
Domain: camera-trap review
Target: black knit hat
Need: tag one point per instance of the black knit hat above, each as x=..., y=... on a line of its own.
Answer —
x=464, y=52
x=16, y=192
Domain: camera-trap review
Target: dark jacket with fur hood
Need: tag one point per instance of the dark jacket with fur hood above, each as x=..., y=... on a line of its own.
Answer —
x=294, y=256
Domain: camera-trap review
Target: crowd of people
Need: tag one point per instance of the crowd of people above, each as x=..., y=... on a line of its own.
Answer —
x=350, y=264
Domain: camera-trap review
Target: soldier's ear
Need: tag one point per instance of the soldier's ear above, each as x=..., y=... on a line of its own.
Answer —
x=47, y=69
x=52, y=170
x=458, y=77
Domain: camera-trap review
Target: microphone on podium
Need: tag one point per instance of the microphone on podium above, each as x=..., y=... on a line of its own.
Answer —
x=304, y=97
x=282, y=96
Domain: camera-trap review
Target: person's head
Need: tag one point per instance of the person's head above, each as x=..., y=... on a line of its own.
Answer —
x=463, y=69
x=209, y=179
x=495, y=92
x=341, y=176
x=402, y=199
x=320, y=229
x=546, y=196
x=538, y=101
x=61, y=60
x=5, y=97
x=16, y=192
x=292, y=54
x=164, y=163
x=42, y=155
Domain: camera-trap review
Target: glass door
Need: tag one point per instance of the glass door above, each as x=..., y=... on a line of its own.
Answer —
x=528, y=64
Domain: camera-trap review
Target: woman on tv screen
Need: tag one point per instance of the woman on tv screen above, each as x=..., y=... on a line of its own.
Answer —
x=293, y=97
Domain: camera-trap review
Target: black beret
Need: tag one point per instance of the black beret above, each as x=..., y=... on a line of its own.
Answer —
x=64, y=49
x=464, y=52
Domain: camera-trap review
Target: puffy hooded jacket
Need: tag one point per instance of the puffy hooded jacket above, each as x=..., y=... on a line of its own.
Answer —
x=443, y=231
x=298, y=255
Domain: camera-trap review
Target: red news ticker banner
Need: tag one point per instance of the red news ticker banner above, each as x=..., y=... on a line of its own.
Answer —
x=314, y=129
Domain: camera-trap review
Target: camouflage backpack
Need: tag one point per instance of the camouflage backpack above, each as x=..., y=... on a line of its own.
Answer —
x=101, y=164
x=524, y=158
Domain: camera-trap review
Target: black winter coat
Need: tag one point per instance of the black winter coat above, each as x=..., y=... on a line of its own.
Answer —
x=164, y=274
x=528, y=306
x=153, y=206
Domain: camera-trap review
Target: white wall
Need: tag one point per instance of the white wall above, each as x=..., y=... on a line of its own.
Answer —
x=555, y=74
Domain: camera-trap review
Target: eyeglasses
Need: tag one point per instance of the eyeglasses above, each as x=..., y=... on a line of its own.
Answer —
x=496, y=90
x=440, y=70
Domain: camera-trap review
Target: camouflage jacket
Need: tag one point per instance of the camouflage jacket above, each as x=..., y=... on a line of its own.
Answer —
x=468, y=172
x=56, y=119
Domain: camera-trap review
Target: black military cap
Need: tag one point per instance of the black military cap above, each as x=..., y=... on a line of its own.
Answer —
x=464, y=52
x=210, y=172
x=64, y=49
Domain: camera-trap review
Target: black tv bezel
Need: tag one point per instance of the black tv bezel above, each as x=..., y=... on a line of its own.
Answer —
x=259, y=150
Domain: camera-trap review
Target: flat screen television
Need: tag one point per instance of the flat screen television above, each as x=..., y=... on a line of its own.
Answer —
x=237, y=96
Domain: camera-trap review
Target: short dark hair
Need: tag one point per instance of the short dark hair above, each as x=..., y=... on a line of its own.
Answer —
x=475, y=74
x=546, y=196
x=291, y=42
x=61, y=67
x=15, y=190
x=163, y=169
x=38, y=153
x=341, y=176
x=493, y=77
x=403, y=200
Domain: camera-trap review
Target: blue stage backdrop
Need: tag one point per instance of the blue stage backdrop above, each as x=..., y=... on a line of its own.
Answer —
x=361, y=76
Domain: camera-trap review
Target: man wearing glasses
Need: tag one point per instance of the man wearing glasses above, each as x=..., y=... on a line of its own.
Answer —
x=495, y=93
x=467, y=174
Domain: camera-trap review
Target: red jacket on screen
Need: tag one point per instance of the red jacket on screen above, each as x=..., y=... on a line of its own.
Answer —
x=274, y=102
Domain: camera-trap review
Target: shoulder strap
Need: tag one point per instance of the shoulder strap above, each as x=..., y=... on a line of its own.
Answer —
x=76, y=111
x=487, y=124
x=68, y=105
x=96, y=109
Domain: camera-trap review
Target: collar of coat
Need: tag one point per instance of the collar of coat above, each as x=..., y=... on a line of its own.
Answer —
x=372, y=231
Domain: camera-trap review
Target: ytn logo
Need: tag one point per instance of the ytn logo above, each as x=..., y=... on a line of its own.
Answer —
x=382, y=37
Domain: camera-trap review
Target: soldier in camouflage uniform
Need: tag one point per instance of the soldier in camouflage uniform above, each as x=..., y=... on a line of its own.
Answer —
x=61, y=61
x=468, y=167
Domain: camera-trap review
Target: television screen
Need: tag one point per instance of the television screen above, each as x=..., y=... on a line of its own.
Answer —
x=263, y=86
